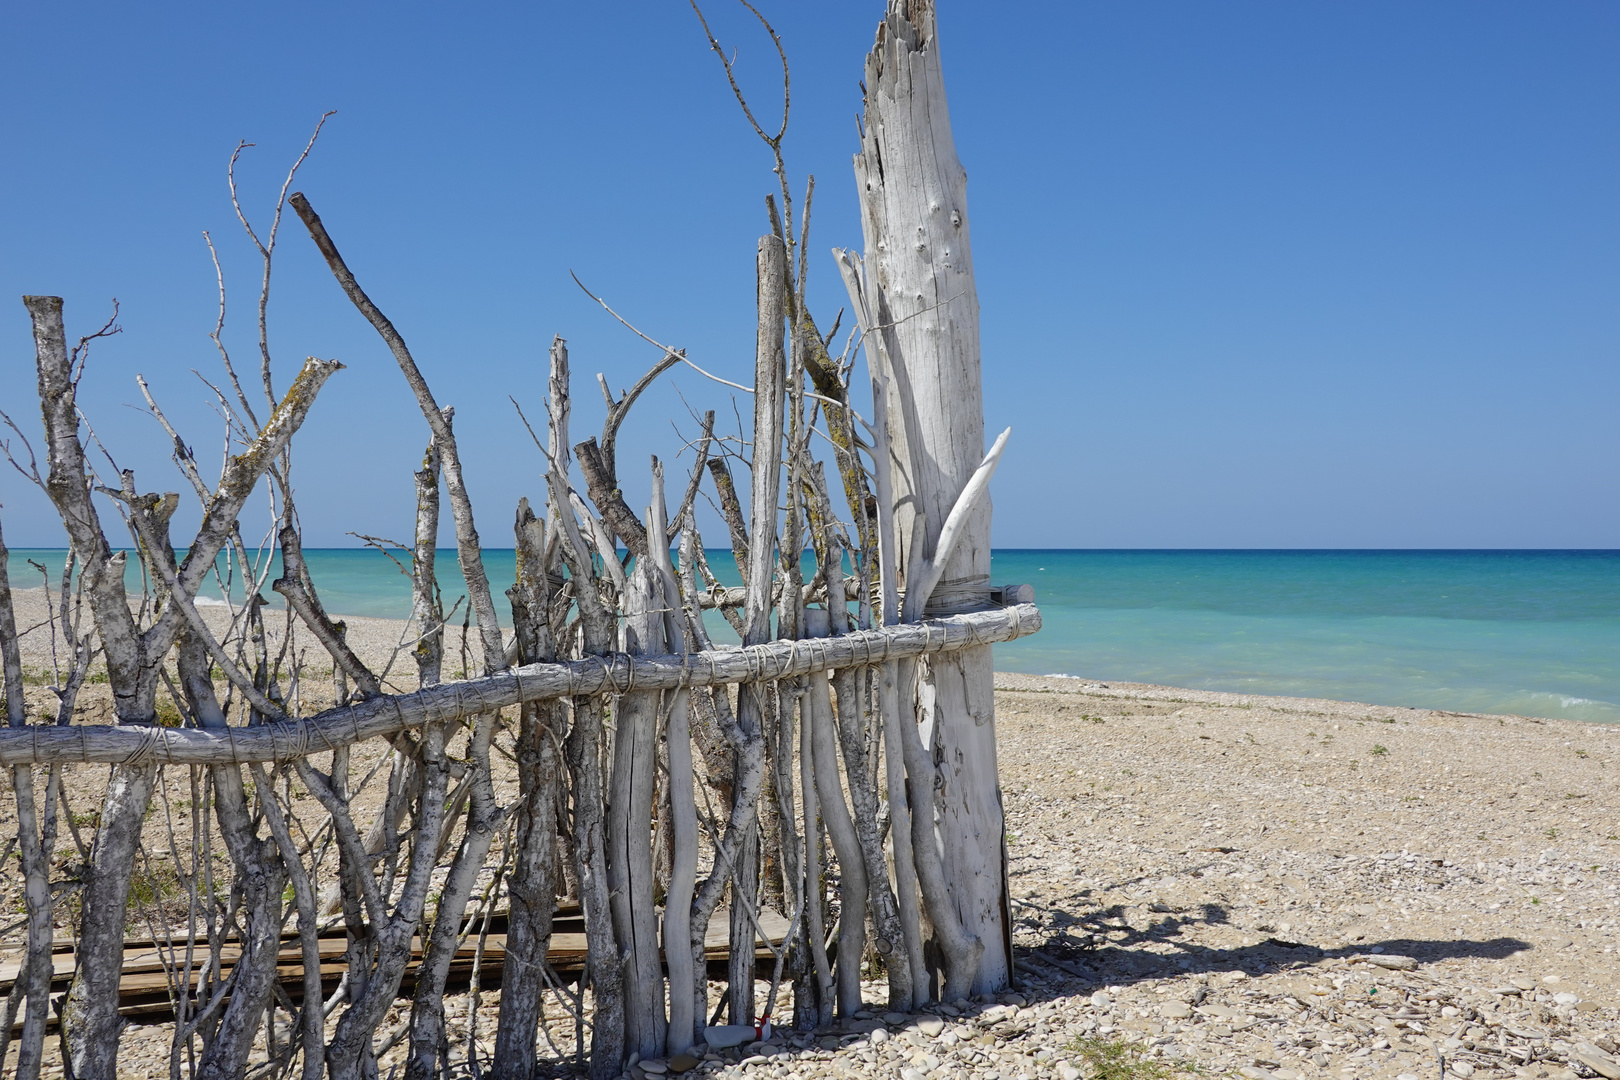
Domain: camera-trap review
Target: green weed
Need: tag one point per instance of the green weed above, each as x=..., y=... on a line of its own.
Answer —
x=155, y=887
x=1116, y=1059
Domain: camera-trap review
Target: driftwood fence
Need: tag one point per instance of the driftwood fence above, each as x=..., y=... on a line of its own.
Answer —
x=612, y=755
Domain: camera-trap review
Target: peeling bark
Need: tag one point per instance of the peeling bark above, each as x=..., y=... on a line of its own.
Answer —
x=584, y=751
x=35, y=858
x=532, y=887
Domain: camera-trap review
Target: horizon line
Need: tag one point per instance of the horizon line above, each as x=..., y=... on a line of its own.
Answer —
x=1090, y=550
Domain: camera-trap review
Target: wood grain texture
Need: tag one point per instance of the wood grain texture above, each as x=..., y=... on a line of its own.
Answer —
x=530, y=682
x=923, y=299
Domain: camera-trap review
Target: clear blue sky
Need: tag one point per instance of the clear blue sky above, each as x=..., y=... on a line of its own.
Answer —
x=1253, y=274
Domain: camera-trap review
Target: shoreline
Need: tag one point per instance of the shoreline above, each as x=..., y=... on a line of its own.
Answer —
x=378, y=640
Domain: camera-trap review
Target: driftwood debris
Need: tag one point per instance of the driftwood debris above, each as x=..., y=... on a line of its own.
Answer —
x=810, y=808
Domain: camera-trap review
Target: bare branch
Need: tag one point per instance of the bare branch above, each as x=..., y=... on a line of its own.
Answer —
x=294, y=585
x=267, y=247
x=697, y=469
x=219, y=323
x=472, y=563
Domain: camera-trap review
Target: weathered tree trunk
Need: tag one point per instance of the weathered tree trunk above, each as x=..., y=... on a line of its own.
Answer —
x=90, y=1015
x=349, y=1055
x=816, y=708
x=584, y=752
x=854, y=724
x=853, y=886
x=920, y=270
x=770, y=378
x=90, y=1020
x=260, y=874
x=630, y=807
x=428, y=1041
x=313, y=1017
x=532, y=888
x=36, y=976
x=743, y=773
x=685, y=1008
x=603, y=968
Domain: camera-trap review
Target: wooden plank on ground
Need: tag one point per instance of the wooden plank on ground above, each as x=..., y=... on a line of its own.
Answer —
x=152, y=973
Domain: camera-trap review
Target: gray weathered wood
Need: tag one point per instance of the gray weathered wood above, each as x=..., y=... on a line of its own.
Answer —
x=35, y=859
x=532, y=887
x=90, y=1021
x=887, y=691
x=720, y=666
x=1007, y=595
x=770, y=378
x=630, y=806
x=919, y=269
x=583, y=747
x=426, y=609
x=685, y=1011
x=439, y=422
x=822, y=736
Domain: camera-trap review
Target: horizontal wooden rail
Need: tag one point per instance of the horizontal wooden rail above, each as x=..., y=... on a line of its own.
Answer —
x=616, y=674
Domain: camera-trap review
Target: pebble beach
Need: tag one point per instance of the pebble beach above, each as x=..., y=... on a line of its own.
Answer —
x=1223, y=884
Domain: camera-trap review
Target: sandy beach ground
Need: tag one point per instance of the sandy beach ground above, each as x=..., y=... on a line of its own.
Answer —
x=1224, y=883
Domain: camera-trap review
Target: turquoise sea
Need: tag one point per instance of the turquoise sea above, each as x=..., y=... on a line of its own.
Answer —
x=1529, y=632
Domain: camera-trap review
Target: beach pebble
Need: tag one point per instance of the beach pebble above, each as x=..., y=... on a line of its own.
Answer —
x=1388, y=962
x=930, y=1025
x=1596, y=1060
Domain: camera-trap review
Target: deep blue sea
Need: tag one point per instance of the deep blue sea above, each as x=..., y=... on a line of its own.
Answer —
x=1530, y=632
